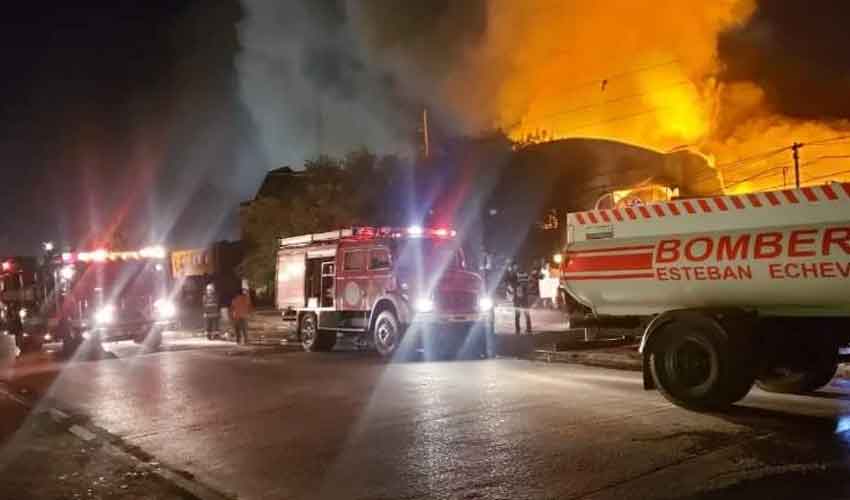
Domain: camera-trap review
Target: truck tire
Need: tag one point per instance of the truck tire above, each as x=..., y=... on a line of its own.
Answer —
x=697, y=366
x=70, y=344
x=313, y=339
x=387, y=334
x=822, y=364
x=154, y=339
x=796, y=381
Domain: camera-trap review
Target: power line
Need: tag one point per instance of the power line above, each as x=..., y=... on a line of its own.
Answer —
x=614, y=76
x=612, y=101
x=842, y=172
x=827, y=157
x=839, y=138
x=619, y=118
x=811, y=179
x=760, y=156
x=756, y=176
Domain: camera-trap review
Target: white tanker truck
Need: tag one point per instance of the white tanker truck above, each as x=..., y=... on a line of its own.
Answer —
x=729, y=290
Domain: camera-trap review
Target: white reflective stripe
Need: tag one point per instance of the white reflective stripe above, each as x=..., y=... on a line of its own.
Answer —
x=585, y=254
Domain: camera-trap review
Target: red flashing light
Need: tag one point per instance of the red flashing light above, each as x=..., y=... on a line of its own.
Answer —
x=367, y=232
x=7, y=265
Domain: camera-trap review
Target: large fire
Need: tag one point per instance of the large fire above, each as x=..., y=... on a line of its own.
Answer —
x=645, y=72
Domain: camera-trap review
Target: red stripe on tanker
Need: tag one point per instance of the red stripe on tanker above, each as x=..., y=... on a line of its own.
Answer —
x=621, y=262
x=736, y=200
x=809, y=193
x=627, y=276
x=830, y=194
x=614, y=249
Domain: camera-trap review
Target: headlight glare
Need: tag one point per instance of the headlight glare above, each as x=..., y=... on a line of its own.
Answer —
x=105, y=315
x=164, y=308
x=485, y=303
x=424, y=305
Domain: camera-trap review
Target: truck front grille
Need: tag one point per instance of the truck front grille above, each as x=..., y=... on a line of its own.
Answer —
x=456, y=301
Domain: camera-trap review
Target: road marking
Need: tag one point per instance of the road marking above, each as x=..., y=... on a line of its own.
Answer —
x=82, y=432
x=58, y=416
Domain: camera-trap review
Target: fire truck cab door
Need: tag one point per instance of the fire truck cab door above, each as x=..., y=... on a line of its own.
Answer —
x=290, y=279
x=352, y=278
x=380, y=273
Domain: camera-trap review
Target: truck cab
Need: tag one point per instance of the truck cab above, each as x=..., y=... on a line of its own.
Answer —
x=115, y=295
x=396, y=289
x=22, y=310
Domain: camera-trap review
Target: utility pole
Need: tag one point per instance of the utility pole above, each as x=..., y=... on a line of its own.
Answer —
x=425, y=140
x=795, y=148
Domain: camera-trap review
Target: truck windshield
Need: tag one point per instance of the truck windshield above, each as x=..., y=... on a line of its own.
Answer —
x=428, y=254
x=120, y=279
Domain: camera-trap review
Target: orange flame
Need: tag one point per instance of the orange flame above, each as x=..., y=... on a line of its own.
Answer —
x=641, y=72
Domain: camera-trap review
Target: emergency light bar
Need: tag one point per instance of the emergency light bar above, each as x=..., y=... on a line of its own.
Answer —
x=367, y=233
x=410, y=231
x=103, y=255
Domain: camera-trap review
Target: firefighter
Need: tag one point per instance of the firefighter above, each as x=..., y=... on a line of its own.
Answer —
x=15, y=324
x=240, y=308
x=211, y=311
x=485, y=267
x=517, y=292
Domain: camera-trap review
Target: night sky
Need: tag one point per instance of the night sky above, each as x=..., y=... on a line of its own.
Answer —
x=122, y=118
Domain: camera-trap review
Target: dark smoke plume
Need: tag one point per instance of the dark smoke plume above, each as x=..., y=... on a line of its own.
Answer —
x=797, y=52
x=326, y=76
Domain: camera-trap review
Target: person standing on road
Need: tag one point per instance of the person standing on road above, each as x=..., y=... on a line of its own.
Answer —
x=485, y=267
x=517, y=292
x=211, y=311
x=15, y=324
x=240, y=308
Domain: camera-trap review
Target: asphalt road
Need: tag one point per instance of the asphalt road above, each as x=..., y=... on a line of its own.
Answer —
x=347, y=425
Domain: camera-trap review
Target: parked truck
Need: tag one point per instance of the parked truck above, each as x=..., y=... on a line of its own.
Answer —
x=23, y=311
x=394, y=289
x=728, y=290
x=106, y=295
x=193, y=269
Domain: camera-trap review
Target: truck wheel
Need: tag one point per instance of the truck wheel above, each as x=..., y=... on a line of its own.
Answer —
x=154, y=340
x=798, y=380
x=789, y=381
x=313, y=339
x=70, y=343
x=387, y=334
x=695, y=366
x=562, y=301
x=151, y=340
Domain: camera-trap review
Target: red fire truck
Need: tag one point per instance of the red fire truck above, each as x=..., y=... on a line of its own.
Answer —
x=397, y=290
x=114, y=295
x=21, y=301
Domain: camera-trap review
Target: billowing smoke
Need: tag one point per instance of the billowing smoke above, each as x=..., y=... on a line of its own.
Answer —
x=325, y=76
x=796, y=52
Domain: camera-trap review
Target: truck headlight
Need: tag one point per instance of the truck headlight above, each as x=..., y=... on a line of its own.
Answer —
x=23, y=313
x=485, y=303
x=164, y=309
x=424, y=305
x=105, y=315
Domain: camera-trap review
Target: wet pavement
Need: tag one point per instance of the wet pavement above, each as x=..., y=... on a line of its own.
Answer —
x=347, y=425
